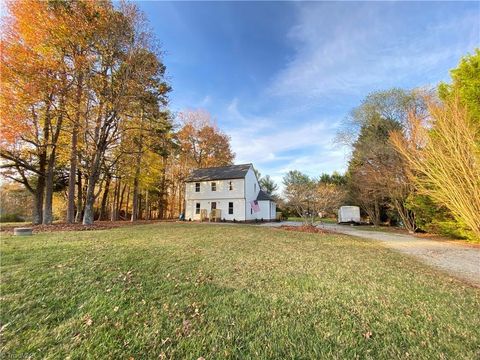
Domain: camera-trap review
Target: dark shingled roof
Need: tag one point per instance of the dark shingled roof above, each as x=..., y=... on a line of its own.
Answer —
x=262, y=195
x=219, y=173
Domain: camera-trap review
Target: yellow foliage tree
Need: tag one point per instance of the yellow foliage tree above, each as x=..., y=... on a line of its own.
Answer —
x=444, y=160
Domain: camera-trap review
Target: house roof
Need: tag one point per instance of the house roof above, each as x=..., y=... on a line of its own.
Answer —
x=219, y=173
x=262, y=195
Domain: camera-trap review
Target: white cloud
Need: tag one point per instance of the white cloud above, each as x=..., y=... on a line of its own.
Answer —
x=274, y=145
x=205, y=101
x=366, y=48
x=341, y=52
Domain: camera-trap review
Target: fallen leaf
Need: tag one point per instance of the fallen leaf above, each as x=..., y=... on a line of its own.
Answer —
x=367, y=335
x=88, y=320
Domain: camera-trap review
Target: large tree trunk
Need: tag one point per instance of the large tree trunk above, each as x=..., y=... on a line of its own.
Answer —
x=163, y=191
x=78, y=216
x=74, y=155
x=135, y=205
x=48, y=209
x=147, y=206
x=103, y=206
x=49, y=183
x=38, y=197
x=116, y=199
x=128, y=202
x=139, y=211
x=136, y=183
x=376, y=213
x=88, y=215
x=101, y=136
x=44, y=182
x=120, y=203
x=136, y=180
x=71, y=177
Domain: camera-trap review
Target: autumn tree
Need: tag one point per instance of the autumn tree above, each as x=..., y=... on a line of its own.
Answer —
x=75, y=76
x=432, y=214
x=200, y=144
x=34, y=90
x=444, y=160
x=203, y=143
x=301, y=195
x=126, y=67
x=330, y=198
x=376, y=178
x=311, y=198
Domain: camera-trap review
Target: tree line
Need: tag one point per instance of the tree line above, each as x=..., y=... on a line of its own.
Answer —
x=88, y=133
x=415, y=159
x=85, y=118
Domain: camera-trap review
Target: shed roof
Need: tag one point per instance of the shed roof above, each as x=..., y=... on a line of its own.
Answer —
x=262, y=195
x=219, y=173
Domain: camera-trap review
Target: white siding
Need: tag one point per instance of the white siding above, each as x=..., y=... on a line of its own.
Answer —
x=252, y=188
x=222, y=196
x=264, y=212
x=238, y=208
x=223, y=190
x=267, y=210
x=243, y=192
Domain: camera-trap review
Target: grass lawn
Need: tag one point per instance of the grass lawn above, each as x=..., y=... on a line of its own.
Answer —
x=186, y=291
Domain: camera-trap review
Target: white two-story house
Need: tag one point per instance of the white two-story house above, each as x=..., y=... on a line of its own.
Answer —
x=233, y=189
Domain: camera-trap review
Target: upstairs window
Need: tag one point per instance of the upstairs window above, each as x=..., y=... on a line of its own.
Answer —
x=197, y=187
x=230, y=208
x=214, y=186
x=230, y=186
x=197, y=208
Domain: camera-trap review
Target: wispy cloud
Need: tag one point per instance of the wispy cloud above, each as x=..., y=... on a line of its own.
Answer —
x=343, y=52
x=282, y=97
x=276, y=149
x=356, y=48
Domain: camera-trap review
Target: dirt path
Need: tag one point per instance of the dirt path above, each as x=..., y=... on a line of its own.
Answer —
x=461, y=261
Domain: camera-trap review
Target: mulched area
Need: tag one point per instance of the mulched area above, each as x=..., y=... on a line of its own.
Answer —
x=305, y=228
x=61, y=226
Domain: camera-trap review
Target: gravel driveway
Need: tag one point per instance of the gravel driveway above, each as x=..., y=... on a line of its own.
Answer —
x=461, y=261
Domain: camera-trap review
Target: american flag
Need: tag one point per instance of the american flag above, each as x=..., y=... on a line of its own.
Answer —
x=255, y=206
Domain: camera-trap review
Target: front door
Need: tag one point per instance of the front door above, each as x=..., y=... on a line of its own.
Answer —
x=213, y=205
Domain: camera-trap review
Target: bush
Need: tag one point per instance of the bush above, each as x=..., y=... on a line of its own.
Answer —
x=433, y=218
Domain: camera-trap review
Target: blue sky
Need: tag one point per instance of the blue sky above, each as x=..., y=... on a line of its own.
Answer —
x=279, y=78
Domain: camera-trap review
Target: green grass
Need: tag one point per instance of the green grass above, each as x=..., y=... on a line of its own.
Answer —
x=189, y=290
